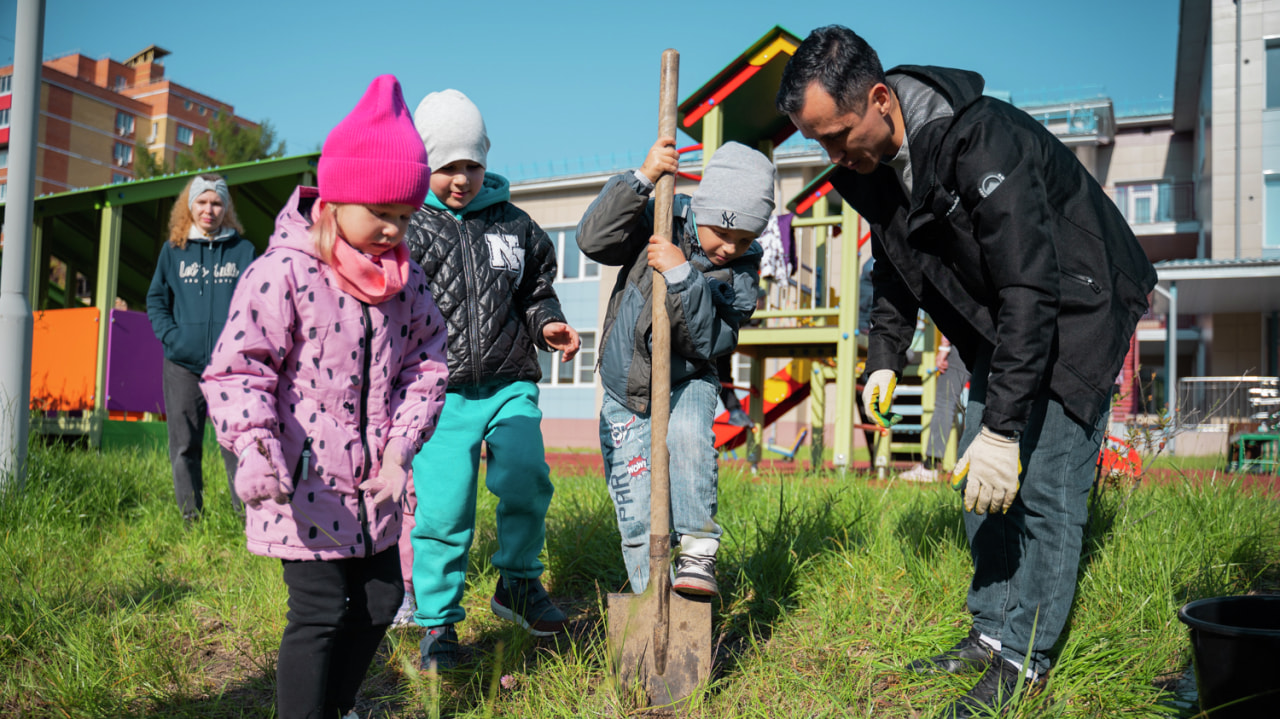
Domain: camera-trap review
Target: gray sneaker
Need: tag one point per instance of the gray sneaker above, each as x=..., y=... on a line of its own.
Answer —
x=696, y=576
x=440, y=649
x=526, y=602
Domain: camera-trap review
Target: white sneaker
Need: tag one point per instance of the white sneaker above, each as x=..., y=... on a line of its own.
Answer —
x=404, y=615
x=919, y=473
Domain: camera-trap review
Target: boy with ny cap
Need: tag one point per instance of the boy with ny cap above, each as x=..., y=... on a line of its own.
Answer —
x=712, y=267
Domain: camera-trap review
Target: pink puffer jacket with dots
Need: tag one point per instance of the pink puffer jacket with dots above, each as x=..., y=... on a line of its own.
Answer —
x=300, y=359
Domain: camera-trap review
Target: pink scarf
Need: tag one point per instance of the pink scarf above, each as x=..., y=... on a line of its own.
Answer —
x=371, y=280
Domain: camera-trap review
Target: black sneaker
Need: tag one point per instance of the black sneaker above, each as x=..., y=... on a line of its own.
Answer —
x=969, y=654
x=696, y=575
x=440, y=649
x=996, y=691
x=525, y=602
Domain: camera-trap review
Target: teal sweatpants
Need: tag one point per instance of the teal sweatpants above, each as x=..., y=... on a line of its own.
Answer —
x=506, y=417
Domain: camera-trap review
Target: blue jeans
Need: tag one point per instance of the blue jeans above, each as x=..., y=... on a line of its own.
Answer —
x=1025, y=562
x=625, y=442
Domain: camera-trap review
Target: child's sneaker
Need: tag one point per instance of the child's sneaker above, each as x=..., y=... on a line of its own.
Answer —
x=696, y=575
x=404, y=615
x=525, y=602
x=440, y=650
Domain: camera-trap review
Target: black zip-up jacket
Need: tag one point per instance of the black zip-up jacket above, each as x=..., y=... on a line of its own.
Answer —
x=1007, y=242
x=490, y=273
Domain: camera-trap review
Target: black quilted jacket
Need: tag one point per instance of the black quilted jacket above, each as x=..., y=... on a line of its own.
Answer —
x=490, y=273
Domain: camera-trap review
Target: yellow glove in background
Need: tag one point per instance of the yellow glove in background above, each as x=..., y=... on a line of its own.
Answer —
x=877, y=396
x=991, y=465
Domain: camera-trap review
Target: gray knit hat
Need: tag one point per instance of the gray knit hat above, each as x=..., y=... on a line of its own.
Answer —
x=451, y=129
x=736, y=191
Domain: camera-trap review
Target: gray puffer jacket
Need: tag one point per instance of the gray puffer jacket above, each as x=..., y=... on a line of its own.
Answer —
x=706, y=307
x=490, y=270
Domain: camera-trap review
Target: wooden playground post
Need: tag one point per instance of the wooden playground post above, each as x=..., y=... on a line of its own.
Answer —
x=847, y=345
x=104, y=297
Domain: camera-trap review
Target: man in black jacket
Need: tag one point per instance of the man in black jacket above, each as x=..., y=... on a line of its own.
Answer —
x=985, y=220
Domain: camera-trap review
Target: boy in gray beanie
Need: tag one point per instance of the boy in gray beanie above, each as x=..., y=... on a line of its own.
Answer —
x=712, y=268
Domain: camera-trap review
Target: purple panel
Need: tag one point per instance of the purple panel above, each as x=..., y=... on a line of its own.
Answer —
x=135, y=364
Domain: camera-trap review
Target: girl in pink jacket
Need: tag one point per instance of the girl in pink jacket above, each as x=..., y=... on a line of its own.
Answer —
x=328, y=377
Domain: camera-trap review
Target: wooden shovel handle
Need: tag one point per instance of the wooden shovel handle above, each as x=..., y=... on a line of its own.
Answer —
x=660, y=384
x=660, y=381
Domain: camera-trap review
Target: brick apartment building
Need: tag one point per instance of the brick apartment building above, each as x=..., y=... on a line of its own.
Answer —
x=93, y=112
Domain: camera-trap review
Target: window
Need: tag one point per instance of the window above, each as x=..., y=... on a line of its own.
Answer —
x=581, y=371
x=186, y=104
x=1271, y=213
x=155, y=130
x=4, y=157
x=1154, y=202
x=124, y=123
x=573, y=265
x=120, y=83
x=123, y=154
x=6, y=84
x=117, y=178
x=4, y=190
x=203, y=110
x=4, y=117
x=1273, y=72
x=185, y=135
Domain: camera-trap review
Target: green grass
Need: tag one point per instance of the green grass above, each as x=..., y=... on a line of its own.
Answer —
x=830, y=584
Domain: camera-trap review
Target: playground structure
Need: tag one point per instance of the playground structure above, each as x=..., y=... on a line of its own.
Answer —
x=810, y=316
x=102, y=379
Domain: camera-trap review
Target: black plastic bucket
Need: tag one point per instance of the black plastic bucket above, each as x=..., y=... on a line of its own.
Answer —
x=1235, y=642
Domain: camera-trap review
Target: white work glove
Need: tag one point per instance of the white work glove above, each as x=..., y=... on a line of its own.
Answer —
x=392, y=478
x=261, y=475
x=991, y=465
x=877, y=396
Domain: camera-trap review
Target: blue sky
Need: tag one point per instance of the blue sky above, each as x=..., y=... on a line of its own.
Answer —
x=559, y=80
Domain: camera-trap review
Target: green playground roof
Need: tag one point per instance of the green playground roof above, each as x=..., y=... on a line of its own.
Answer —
x=71, y=222
x=746, y=88
x=819, y=186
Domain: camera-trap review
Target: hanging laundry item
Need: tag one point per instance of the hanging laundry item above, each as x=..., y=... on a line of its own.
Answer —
x=779, y=252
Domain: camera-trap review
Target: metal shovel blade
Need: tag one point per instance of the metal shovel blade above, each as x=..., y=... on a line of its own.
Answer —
x=633, y=621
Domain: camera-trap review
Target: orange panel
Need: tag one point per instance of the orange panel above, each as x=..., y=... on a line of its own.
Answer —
x=64, y=359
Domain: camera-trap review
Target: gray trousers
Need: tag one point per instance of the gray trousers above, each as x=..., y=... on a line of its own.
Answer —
x=185, y=414
x=946, y=405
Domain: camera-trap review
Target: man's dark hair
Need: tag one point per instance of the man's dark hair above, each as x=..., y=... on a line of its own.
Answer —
x=842, y=64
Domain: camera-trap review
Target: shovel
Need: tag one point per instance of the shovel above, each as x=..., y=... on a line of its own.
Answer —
x=660, y=640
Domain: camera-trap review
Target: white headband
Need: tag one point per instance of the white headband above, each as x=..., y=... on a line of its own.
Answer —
x=199, y=186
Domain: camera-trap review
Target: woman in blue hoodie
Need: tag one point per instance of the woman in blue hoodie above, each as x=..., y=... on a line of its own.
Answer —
x=188, y=304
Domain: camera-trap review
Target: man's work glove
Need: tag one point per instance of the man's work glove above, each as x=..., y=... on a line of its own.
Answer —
x=991, y=467
x=261, y=474
x=393, y=477
x=877, y=397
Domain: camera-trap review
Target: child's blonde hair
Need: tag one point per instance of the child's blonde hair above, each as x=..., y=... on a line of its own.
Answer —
x=180, y=219
x=324, y=231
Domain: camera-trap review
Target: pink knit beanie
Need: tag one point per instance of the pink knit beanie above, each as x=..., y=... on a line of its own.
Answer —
x=375, y=156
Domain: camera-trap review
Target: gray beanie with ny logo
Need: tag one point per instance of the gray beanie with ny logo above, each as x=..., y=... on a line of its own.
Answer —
x=736, y=191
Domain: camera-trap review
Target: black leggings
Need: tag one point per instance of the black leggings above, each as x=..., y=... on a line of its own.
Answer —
x=338, y=613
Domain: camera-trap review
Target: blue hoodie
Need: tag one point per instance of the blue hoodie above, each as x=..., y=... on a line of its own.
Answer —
x=190, y=294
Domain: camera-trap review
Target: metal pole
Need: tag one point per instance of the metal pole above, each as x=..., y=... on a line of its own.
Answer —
x=1171, y=360
x=15, y=305
x=1239, y=19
